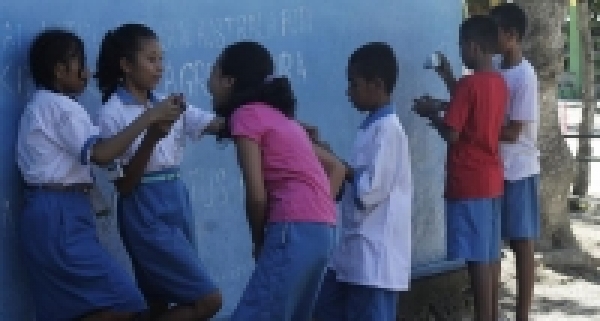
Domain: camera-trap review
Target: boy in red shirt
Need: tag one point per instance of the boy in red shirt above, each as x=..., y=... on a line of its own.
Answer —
x=471, y=126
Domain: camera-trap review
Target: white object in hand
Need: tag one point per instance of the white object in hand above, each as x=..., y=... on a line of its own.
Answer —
x=433, y=61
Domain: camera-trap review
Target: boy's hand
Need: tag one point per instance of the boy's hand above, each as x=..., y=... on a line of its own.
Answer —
x=444, y=69
x=427, y=107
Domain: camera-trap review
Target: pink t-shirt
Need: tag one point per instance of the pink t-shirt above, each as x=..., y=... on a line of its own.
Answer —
x=297, y=187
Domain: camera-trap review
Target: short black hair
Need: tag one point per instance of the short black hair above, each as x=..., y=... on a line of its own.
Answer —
x=375, y=60
x=49, y=48
x=510, y=16
x=481, y=30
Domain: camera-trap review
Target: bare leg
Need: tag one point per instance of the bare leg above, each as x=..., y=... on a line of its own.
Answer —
x=495, y=288
x=481, y=283
x=524, y=254
x=203, y=309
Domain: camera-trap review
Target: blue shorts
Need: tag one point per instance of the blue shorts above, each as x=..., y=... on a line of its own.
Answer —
x=473, y=229
x=341, y=301
x=288, y=273
x=156, y=226
x=520, y=209
x=69, y=272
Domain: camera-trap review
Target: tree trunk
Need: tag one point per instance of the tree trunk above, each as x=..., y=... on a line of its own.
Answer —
x=543, y=47
x=584, y=151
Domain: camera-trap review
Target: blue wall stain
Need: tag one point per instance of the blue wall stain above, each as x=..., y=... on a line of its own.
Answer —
x=310, y=40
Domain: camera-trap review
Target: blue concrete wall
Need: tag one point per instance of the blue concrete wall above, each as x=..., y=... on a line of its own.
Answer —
x=311, y=41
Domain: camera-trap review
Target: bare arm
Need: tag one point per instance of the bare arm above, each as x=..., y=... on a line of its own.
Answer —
x=133, y=172
x=445, y=72
x=511, y=131
x=250, y=161
x=215, y=126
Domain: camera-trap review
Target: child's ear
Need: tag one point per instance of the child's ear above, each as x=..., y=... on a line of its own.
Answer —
x=125, y=66
x=229, y=81
x=60, y=70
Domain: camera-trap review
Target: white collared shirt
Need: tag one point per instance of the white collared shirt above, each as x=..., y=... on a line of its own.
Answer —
x=54, y=140
x=120, y=110
x=374, y=247
x=521, y=159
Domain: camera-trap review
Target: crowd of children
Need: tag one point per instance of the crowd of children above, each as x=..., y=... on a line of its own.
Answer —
x=292, y=180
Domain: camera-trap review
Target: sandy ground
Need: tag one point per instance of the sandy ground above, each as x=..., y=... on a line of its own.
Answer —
x=568, y=281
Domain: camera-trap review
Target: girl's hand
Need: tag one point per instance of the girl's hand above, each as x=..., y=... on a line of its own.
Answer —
x=166, y=111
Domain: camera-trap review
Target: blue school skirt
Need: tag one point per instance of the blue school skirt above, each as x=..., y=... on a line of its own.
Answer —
x=70, y=273
x=156, y=225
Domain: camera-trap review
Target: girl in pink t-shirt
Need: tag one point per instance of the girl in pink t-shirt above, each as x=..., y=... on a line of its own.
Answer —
x=289, y=202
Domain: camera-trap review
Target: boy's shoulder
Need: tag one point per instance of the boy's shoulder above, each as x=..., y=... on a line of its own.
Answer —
x=386, y=127
x=523, y=71
x=526, y=70
x=481, y=80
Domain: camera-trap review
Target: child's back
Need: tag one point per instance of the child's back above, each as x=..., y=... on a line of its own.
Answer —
x=295, y=181
x=476, y=111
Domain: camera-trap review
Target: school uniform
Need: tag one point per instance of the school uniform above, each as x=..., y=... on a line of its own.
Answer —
x=156, y=220
x=372, y=260
x=520, y=203
x=474, y=181
x=70, y=273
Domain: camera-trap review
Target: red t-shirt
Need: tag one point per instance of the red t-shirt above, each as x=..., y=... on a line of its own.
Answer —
x=476, y=112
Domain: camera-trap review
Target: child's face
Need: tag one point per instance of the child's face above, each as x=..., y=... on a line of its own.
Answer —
x=146, y=70
x=219, y=86
x=72, y=76
x=361, y=92
x=507, y=40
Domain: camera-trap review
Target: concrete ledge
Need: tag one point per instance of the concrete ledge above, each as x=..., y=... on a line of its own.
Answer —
x=435, y=268
x=442, y=295
x=438, y=291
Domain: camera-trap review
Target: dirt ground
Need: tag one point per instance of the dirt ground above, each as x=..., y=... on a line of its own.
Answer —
x=568, y=281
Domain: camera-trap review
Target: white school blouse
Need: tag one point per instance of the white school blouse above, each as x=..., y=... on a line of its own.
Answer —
x=54, y=140
x=121, y=109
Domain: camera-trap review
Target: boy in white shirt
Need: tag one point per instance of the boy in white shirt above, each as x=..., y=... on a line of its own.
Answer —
x=372, y=260
x=520, y=154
